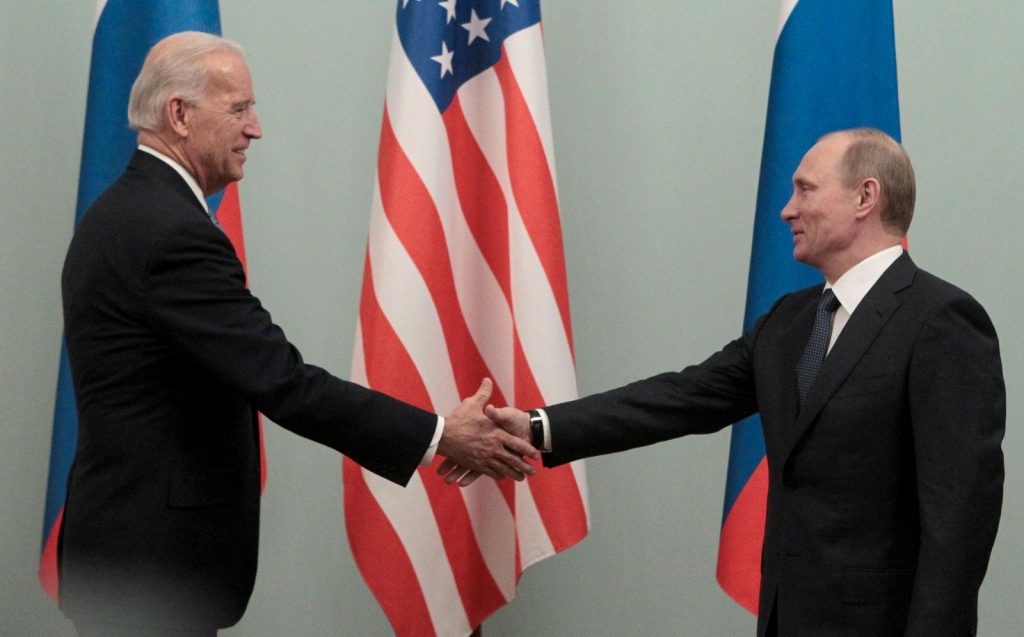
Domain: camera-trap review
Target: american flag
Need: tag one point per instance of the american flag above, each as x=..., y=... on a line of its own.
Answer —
x=464, y=278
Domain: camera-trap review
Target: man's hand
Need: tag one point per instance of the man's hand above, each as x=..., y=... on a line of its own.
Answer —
x=472, y=444
x=510, y=419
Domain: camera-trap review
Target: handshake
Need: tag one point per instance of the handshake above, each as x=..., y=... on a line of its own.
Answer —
x=480, y=439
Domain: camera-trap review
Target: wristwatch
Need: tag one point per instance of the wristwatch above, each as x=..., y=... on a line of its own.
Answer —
x=536, y=429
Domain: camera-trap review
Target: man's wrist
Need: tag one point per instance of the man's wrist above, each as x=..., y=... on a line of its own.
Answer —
x=428, y=455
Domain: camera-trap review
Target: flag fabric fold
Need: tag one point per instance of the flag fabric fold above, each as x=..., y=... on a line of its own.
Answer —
x=464, y=278
x=124, y=32
x=834, y=68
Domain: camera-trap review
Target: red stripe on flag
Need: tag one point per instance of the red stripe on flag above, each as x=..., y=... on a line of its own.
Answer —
x=533, y=187
x=414, y=218
x=483, y=203
x=478, y=590
x=48, y=575
x=739, y=548
x=229, y=216
x=376, y=547
x=382, y=558
x=555, y=491
x=394, y=373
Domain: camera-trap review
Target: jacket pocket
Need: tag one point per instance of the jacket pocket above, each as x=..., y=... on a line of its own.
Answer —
x=203, y=488
x=875, y=586
x=860, y=385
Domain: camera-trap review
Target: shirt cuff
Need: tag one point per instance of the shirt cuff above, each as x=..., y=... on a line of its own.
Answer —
x=546, y=447
x=428, y=457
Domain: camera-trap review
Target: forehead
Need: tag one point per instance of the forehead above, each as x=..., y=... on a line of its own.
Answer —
x=228, y=74
x=823, y=158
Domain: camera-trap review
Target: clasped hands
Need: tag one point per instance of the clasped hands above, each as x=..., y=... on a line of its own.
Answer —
x=481, y=439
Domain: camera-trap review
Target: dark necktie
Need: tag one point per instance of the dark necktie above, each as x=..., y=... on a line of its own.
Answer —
x=817, y=344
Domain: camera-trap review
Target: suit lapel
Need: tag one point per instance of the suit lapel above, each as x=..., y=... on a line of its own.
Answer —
x=860, y=332
x=791, y=346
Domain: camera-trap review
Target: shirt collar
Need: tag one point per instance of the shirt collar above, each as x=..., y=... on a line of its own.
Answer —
x=853, y=286
x=178, y=168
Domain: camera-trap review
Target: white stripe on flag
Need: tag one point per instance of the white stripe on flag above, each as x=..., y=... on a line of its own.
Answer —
x=785, y=9
x=406, y=302
x=550, y=362
x=495, y=532
x=422, y=136
x=412, y=518
x=409, y=512
x=526, y=57
x=534, y=543
x=544, y=344
x=100, y=5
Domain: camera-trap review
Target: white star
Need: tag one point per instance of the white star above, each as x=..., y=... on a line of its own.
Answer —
x=476, y=27
x=405, y=3
x=445, y=59
x=449, y=6
x=514, y=3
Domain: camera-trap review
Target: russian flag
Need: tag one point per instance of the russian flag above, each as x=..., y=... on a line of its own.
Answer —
x=834, y=68
x=125, y=30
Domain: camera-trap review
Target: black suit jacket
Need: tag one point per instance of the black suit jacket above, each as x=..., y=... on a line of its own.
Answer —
x=171, y=357
x=885, y=486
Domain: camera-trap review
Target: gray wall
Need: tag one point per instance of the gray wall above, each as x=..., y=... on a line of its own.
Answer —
x=658, y=115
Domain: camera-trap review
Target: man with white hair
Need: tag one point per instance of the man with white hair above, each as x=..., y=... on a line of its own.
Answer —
x=171, y=358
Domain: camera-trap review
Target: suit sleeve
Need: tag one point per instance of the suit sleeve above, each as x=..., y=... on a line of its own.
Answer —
x=197, y=297
x=699, y=399
x=958, y=412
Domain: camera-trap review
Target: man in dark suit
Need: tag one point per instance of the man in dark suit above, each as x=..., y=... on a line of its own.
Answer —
x=171, y=358
x=885, y=467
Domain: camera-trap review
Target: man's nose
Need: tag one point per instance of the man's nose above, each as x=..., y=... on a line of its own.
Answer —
x=252, y=129
x=788, y=211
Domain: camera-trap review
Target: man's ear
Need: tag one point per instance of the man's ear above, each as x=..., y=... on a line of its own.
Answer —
x=869, y=197
x=178, y=116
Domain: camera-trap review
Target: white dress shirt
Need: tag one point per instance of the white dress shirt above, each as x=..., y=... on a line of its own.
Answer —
x=854, y=285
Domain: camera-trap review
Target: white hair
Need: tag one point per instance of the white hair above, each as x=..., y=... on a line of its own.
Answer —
x=174, y=67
